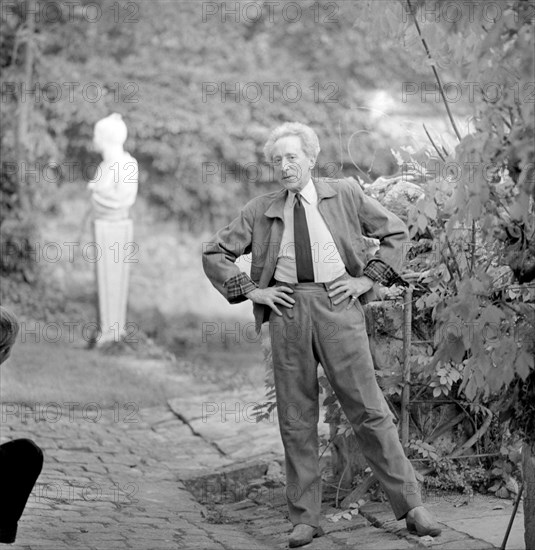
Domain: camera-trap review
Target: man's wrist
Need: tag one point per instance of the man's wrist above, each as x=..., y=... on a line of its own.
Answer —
x=249, y=295
x=368, y=283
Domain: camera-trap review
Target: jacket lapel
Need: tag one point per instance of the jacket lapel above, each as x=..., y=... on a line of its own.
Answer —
x=276, y=208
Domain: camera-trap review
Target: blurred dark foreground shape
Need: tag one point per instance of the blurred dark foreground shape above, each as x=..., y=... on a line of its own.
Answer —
x=21, y=460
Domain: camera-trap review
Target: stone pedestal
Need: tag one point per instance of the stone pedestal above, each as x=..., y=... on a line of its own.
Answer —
x=112, y=270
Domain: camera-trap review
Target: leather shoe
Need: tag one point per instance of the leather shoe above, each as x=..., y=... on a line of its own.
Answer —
x=420, y=521
x=303, y=534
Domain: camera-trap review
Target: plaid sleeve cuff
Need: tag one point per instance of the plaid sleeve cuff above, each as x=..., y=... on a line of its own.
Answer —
x=238, y=286
x=381, y=273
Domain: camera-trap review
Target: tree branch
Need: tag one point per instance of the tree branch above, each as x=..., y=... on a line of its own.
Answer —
x=434, y=145
x=437, y=77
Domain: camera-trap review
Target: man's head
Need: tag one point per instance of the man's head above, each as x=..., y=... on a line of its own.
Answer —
x=9, y=328
x=292, y=148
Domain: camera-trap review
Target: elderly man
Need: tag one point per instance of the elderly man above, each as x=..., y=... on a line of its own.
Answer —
x=308, y=274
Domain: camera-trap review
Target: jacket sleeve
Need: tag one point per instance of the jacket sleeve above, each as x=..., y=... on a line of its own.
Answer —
x=393, y=236
x=220, y=253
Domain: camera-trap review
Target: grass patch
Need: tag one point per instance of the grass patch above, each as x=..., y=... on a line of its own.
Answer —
x=45, y=372
x=230, y=370
x=55, y=373
x=224, y=353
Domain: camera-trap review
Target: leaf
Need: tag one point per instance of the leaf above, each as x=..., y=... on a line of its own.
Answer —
x=420, y=303
x=524, y=364
x=430, y=209
x=421, y=222
x=512, y=485
x=492, y=315
x=432, y=300
x=455, y=375
x=454, y=349
x=329, y=400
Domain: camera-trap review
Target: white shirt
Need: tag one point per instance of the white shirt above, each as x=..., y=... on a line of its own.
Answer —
x=328, y=264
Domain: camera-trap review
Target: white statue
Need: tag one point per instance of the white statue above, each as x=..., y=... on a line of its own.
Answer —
x=114, y=187
x=114, y=190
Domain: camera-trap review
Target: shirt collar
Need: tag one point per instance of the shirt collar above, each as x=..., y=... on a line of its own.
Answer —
x=308, y=193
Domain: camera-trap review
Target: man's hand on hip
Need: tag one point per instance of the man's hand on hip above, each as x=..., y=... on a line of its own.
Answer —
x=272, y=296
x=351, y=287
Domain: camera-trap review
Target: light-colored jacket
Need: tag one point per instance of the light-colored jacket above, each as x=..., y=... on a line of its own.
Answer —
x=348, y=213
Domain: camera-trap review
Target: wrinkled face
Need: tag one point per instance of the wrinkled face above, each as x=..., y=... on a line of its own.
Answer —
x=292, y=166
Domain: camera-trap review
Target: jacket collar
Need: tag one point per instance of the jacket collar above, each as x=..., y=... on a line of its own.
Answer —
x=324, y=190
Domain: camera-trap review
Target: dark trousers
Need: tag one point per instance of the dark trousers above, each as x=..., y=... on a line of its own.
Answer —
x=317, y=331
x=21, y=462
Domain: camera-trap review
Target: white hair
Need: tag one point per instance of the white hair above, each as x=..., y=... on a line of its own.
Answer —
x=309, y=139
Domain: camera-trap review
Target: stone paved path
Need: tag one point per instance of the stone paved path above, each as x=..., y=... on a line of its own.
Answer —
x=114, y=479
x=111, y=481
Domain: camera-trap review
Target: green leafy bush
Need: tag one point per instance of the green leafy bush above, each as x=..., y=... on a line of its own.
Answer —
x=18, y=247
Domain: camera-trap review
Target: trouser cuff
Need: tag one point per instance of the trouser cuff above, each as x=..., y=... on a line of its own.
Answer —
x=412, y=499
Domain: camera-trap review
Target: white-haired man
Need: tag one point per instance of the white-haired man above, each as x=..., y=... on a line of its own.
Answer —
x=308, y=274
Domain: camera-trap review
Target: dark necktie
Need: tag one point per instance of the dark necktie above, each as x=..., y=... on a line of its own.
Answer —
x=303, y=252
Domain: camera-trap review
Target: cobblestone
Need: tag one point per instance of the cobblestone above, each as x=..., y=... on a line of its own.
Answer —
x=112, y=485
